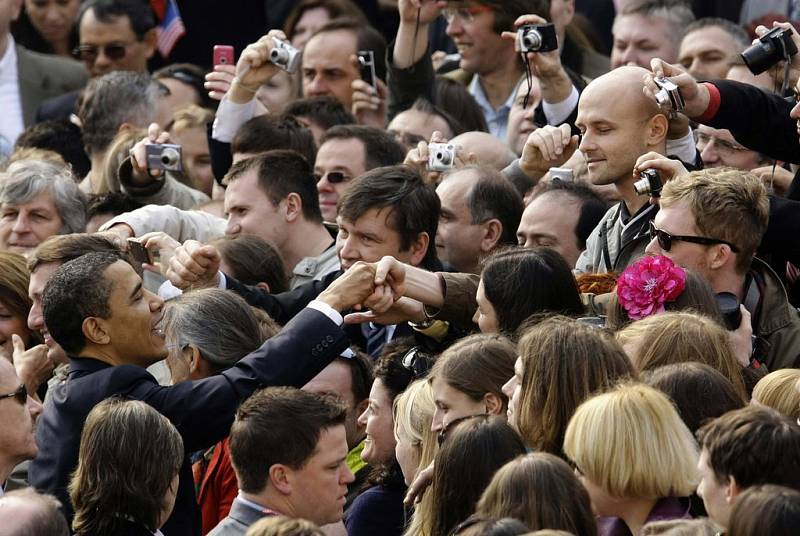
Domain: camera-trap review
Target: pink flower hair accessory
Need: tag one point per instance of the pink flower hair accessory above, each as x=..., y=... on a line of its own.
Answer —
x=647, y=284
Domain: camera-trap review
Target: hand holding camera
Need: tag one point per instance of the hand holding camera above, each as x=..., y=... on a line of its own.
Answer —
x=256, y=64
x=772, y=46
x=653, y=170
x=672, y=88
x=154, y=155
x=369, y=93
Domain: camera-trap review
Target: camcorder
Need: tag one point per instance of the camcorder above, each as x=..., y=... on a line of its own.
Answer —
x=537, y=38
x=771, y=48
x=285, y=56
x=163, y=156
x=649, y=183
x=441, y=156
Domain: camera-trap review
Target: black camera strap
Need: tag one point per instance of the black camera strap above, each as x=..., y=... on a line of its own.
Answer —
x=528, y=79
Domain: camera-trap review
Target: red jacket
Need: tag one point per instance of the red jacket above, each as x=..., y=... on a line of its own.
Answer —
x=216, y=484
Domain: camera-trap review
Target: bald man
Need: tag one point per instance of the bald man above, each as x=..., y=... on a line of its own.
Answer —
x=618, y=124
x=488, y=150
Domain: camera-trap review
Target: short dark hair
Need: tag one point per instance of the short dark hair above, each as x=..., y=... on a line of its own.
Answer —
x=269, y=132
x=64, y=248
x=190, y=74
x=252, y=260
x=335, y=9
x=367, y=38
x=593, y=207
x=767, y=509
x=414, y=205
x=361, y=374
x=520, y=282
x=380, y=147
x=493, y=196
x=700, y=392
x=77, y=290
x=453, y=97
x=281, y=173
x=114, y=203
x=427, y=107
x=736, y=31
x=508, y=11
x=61, y=136
x=754, y=445
x=138, y=12
x=279, y=425
x=323, y=110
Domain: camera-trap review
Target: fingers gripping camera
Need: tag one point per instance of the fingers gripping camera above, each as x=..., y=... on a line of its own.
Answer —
x=441, y=156
x=537, y=38
x=163, y=156
x=669, y=95
x=285, y=56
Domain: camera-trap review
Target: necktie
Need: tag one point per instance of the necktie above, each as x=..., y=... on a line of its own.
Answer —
x=376, y=338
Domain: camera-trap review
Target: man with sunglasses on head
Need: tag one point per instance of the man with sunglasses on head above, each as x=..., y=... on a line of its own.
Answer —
x=28, y=78
x=712, y=222
x=18, y=412
x=113, y=35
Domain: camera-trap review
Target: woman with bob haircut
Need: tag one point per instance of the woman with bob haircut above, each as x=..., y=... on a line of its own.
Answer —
x=467, y=378
x=542, y=491
x=779, y=391
x=472, y=450
x=14, y=302
x=767, y=509
x=127, y=474
x=416, y=444
x=635, y=457
x=679, y=337
x=561, y=363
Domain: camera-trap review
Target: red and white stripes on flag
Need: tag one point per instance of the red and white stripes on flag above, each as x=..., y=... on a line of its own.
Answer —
x=170, y=28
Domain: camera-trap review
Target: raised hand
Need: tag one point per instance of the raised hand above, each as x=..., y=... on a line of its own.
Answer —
x=194, y=265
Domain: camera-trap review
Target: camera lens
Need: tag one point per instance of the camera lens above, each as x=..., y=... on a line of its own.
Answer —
x=642, y=187
x=279, y=55
x=532, y=40
x=169, y=157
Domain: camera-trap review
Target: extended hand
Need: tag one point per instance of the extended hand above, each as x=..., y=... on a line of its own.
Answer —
x=194, y=266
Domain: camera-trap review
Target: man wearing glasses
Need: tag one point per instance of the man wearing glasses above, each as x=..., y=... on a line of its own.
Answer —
x=712, y=222
x=18, y=412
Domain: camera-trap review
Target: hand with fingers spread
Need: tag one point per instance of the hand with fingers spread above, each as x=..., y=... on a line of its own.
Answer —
x=695, y=95
x=32, y=365
x=162, y=243
x=547, y=147
x=194, y=265
x=141, y=175
x=369, y=103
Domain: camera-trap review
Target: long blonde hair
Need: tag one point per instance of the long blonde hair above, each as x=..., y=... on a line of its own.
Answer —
x=778, y=390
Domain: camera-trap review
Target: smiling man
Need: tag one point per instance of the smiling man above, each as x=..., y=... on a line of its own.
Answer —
x=110, y=326
x=647, y=29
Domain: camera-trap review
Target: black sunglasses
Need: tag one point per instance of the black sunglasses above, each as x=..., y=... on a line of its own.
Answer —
x=334, y=177
x=21, y=395
x=88, y=53
x=455, y=422
x=416, y=362
x=665, y=239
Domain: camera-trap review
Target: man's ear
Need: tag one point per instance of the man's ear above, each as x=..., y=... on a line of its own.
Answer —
x=494, y=404
x=293, y=206
x=492, y=231
x=658, y=127
x=199, y=367
x=263, y=285
x=96, y=330
x=419, y=247
x=720, y=255
x=280, y=477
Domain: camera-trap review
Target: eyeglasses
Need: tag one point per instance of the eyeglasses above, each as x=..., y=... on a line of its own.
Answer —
x=89, y=53
x=21, y=395
x=725, y=148
x=464, y=14
x=334, y=177
x=416, y=362
x=455, y=422
x=665, y=239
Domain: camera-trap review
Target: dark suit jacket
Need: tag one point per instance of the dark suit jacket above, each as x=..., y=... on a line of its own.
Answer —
x=58, y=107
x=43, y=76
x=124, y=528
x=201, y=410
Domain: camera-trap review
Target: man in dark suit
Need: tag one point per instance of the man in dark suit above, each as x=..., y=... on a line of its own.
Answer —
x=96, y=309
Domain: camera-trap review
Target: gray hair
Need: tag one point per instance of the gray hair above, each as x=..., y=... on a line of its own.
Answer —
x=218, y=322
x=25, y=179
x=676, y=12
x=738, y=33
x=113, y=99
x=43, y=513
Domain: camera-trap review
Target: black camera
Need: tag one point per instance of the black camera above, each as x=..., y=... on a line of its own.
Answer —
x=772, y=47
x=366, y=64
x=163, y=156
x=537, y=38
x=649, y=183
x=729, y=307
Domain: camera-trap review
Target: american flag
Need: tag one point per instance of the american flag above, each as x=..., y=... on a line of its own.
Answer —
x=170, y=28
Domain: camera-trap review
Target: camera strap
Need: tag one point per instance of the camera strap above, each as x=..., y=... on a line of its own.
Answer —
x=528, y=79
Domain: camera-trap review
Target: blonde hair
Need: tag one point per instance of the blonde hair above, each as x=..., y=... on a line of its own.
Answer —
x=118, y=150
x=778, y=390
x=680, y=337
x=728, y=204
x=413, y=415
x=283, y=526
x=191, y=116
x=632, y=443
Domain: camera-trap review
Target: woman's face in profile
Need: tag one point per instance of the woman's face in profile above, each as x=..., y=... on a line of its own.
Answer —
x=485, y=316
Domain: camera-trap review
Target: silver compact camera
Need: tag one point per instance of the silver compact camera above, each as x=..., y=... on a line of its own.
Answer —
x=649, y=183
x=562, y=174
x=285, y=56
x=163, y=156
x=668, y=95
x=537, y=38
x=441, y=156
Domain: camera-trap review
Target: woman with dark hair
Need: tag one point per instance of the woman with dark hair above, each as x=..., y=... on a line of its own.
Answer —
x=472, y=450
x=48, y=26
x=542, y=491
x=379, y=509
x=127, y=474
x=14, y=302
x=253, y=261
x=308, y=16
x=768, y=509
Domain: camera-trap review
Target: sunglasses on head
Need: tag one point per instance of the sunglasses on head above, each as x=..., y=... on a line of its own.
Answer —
x=21, y=395
x=334, y=177
x=416, y=362
x=665, y=239
x=89, y=53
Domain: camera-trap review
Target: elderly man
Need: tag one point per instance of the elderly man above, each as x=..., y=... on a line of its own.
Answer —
x=647, y=29
x=18, y=411
x=37, y=200
x=25, y=512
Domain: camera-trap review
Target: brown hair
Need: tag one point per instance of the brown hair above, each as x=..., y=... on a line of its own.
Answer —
x=14, y=281
x=773, y=510
x=678, y=337
x=727, y=204
x=279, y=425
x=477, y=365
x=253, y=260
x=335, y=9
x=682, y=527
x=64, y=248
x=542, y=491
x=778, y=390
x=129, y=455
x=564, y=362
x=754, y=445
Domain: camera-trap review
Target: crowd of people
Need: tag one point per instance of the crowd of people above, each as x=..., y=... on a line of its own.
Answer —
x=410, y=267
